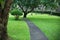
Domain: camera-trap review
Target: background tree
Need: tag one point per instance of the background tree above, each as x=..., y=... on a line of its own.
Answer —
x=14, y=5
x=28, y=5
x=50, y=4
x=4, y=9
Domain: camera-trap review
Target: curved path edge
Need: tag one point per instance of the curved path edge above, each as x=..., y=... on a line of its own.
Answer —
x=35, y=32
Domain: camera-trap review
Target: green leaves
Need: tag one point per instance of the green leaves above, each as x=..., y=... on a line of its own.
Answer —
x=2, y=2
x=29, y=3
x=51, y=3
x=16, y=12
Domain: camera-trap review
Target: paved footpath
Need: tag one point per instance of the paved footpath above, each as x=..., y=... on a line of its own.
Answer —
x=35, y=32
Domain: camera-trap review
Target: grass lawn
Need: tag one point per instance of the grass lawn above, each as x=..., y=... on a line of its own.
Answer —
x=18, y=30
x=50, y=25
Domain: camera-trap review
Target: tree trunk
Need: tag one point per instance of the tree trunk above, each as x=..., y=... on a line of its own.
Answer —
x=4, y=20
x=25, y=15
x=16, y=17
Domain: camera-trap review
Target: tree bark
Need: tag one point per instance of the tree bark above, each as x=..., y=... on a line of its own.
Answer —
x=25, y=15
x=4, y=19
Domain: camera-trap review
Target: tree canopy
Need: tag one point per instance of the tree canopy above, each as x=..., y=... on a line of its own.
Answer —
x=28, y=5
x=51, y=3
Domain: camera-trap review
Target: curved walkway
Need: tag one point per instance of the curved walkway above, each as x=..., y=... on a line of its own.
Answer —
x=35, y=32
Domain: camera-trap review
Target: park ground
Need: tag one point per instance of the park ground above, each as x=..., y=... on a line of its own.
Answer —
x=48, y=24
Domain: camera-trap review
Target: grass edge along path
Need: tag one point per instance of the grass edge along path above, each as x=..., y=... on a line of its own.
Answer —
x=18, y=30
x=35, y=32
x=49, y=24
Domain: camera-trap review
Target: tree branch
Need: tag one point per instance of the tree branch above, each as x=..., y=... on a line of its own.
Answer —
x=21, y=7
x=31, y=10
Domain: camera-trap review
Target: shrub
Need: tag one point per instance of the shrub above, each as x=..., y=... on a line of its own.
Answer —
x=56, y=13
x=16, y=13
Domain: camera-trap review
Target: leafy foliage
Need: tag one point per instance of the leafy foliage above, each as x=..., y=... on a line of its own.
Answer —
x=14, y=4
x=29, y=3
x=28, y=6
x=51, y=3
x=16, y=12
x=2, y=2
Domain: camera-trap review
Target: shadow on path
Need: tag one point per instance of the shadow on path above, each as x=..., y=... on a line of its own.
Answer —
x=35, y=32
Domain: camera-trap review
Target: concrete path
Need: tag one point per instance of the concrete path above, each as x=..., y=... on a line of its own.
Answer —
x=35, y=32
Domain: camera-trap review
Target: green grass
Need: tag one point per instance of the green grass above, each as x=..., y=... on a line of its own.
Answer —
x=50, y=25
x=18, y=30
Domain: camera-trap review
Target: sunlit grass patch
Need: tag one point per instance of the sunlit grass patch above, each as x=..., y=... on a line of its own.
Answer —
x=49, y=25
x=18, y=29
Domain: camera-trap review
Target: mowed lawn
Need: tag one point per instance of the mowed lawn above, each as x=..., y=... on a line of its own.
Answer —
x=18, y=30
x=48, y=24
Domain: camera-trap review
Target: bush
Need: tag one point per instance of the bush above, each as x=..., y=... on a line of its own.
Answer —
x=16, y=13
x=56, y=13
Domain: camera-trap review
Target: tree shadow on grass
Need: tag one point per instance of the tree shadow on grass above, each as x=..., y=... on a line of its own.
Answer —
x=13, y=19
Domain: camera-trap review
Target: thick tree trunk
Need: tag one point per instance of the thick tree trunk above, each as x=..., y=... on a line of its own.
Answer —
x=25, y=15
x=1, y=25
x=4, y=20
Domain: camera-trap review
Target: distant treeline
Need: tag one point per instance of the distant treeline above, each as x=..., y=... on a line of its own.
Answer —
x=48, y=12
